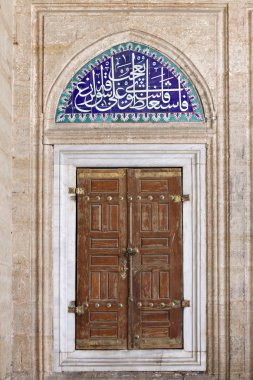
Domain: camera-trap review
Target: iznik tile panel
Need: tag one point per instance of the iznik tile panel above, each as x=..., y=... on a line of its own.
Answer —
x=129, y=83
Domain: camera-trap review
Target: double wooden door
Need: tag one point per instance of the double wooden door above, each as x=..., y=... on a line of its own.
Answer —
x=129, y=259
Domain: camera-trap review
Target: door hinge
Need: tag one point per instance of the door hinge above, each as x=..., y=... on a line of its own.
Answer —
x=79, y=310
x=180, y=198
x=76, y=190
x=186, y=303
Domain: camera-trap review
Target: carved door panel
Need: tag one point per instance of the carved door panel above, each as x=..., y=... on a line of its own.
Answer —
x=156, y=222
x=101, y=237
x=129, y=259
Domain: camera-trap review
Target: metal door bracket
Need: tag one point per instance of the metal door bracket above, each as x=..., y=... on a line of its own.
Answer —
x=76, y=190
x=185, y=303
x=79, y=310
x=172, y=304
x=180, y=198
x=123, y=269
x=72, y=307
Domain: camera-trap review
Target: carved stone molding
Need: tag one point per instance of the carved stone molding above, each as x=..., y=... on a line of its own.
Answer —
x=215, y=136
x=192, y=159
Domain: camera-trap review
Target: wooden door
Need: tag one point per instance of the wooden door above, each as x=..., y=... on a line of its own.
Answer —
x=156, y=221
x=129, y=259
x=101, y=237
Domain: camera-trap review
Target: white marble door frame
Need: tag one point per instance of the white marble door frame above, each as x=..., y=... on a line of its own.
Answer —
x=192, y=158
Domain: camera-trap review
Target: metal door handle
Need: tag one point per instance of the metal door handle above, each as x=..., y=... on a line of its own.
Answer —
x=130, y=251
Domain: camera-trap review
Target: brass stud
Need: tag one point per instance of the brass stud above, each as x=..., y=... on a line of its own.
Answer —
x=162, y=304
x=121, y=198
x=162, y=197
x=139, y=304
x=87, y=198
x=97, y=305
x=173, y=304
x=130, y=198
x=108, y=305
x=139, y=197
x=98, y=198
x=151, y=304
x=150, y=197
x=109, y=198
x=120, y=305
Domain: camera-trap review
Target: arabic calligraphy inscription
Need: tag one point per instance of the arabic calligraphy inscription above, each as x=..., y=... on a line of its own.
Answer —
x=130, y=85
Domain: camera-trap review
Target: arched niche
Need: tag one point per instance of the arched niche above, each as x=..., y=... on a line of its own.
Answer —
x=196, y=108
x=129, y=82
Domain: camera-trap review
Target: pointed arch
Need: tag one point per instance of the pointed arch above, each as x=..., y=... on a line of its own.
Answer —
x=130, y=82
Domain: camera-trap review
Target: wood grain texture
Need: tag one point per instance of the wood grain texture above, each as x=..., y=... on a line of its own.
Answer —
x=129, y=208
x=157, y=226
x=101, y=236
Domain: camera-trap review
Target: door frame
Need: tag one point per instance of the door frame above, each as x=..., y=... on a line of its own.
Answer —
x=192, y=158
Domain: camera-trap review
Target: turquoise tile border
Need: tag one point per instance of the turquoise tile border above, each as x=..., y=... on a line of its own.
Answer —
x=165, y=117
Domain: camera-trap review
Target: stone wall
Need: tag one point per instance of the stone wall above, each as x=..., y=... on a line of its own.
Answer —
x=220, y=45
x=24, y=305
x=6, y=47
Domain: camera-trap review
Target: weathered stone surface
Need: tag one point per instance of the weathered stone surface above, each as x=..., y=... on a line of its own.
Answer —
x=217, y=37
x=6, y=62
x=123, y=375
